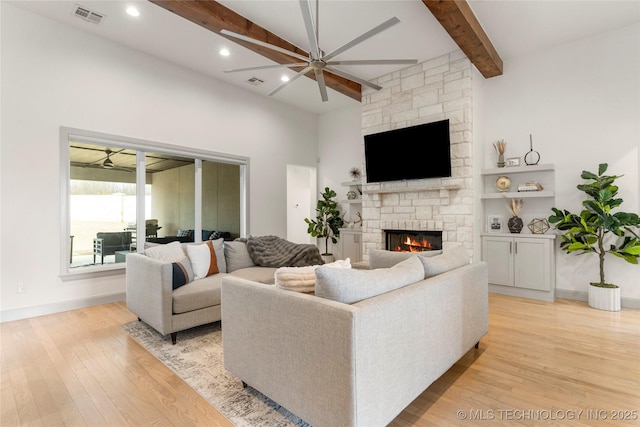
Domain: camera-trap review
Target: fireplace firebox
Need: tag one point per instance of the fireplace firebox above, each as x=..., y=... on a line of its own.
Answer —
x=412, y=240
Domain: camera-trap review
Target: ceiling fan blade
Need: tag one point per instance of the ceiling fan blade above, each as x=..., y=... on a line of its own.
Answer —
x=321, y=85
x=300, y=74
x=374, y=62
x=265, y=67
x=263, y=44
x=305, y=6
x=388, y=23
x=352, y=77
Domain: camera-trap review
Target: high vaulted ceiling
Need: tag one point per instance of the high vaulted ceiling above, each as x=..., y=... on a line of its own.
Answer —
x=514, y=28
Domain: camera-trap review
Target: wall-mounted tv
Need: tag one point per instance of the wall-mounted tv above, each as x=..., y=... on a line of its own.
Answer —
x=415, y=152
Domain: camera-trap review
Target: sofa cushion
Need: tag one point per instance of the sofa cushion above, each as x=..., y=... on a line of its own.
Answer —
x=379, y=258
x=303, y=279
x=197, y=294
x=182, y=273
x=171, y=252
x=237, y=256
x=350, y=285
x=203, y=259
x=264, y=275
x=454, y=256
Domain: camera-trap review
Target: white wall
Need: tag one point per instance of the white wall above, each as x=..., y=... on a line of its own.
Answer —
x=53, y=76
x=339, y=149
x=581, y=102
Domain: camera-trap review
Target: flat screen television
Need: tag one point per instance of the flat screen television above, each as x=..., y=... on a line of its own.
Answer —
x=415, y=152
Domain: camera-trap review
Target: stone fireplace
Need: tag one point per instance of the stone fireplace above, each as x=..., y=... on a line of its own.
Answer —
x=412, y=240
x=438, y=89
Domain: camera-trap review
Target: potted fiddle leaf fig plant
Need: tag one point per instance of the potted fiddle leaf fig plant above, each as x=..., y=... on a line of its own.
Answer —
x=597, y=229
x=327, y=223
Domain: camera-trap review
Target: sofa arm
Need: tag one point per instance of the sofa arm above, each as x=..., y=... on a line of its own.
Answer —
x=150, y=291
x=304, y=345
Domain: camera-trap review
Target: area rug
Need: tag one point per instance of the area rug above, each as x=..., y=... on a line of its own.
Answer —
x=197, y=359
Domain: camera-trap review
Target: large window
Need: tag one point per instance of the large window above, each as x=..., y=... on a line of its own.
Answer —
x=120, y=195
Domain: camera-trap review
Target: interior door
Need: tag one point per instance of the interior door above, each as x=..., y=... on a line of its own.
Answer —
x=301, y=192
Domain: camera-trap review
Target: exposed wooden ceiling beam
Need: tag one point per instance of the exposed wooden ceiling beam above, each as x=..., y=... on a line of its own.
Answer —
x=215, y=17
x=462, y=25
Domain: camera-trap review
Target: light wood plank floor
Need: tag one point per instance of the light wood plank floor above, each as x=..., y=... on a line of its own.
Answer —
x=542, y=363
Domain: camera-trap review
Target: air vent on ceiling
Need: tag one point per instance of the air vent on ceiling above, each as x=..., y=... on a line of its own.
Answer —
x=255, y=81
x=88, y=15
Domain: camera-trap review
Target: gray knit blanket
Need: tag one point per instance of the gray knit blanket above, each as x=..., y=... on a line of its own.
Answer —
x=272, y=251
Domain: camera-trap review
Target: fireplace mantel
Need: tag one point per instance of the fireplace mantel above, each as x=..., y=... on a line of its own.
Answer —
x=435, y=187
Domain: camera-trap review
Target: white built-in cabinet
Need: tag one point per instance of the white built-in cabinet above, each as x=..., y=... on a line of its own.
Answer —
x=350, y=242
x=520, y=264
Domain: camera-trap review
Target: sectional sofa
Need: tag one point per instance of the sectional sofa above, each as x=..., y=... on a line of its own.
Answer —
x=152, y=294
x=365, y=345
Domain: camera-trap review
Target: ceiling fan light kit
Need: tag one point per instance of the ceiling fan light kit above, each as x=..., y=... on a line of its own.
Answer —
x=108, y=163
x=317, y=61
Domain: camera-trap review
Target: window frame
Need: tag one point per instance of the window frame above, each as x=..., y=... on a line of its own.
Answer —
x=142, y=147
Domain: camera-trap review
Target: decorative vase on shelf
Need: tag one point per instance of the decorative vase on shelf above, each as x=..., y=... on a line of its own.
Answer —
x=515, y=224
x=500, y=160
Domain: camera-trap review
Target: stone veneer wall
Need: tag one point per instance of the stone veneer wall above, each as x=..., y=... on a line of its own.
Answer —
x=438, y=89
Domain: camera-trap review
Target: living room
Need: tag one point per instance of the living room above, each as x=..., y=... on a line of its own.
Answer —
x=579, y=100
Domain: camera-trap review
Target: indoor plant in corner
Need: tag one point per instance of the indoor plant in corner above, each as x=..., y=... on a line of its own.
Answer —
x=590, y=232
x=327, y=223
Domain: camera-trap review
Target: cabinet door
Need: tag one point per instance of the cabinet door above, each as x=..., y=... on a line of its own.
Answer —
x=497, y=252
x=532, y=264
x=350, y=246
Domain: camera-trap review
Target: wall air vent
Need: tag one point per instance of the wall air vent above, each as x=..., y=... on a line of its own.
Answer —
x=87, y=15
x=255, y=81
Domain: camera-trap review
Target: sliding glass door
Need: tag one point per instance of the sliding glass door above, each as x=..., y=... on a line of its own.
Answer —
x=120, y=195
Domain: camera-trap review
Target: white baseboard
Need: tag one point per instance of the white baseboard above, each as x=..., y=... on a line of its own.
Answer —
x=625, y=302
x=58, y=307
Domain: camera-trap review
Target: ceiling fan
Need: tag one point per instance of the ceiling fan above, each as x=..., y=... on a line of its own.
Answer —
x=319, y=61
x=108, y=163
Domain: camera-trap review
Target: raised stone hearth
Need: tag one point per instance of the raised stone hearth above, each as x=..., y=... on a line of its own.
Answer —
x=437, y=89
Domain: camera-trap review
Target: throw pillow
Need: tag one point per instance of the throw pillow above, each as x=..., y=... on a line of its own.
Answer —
x=237, y=255
x=379, y=258
x=203, y=259
x=454, y=256
x=182, y=273
x=303, y=279
x=350, y=285
x=171, y=252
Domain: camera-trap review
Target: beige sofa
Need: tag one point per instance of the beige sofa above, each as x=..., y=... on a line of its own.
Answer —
x=151, y=297
x=353, y=364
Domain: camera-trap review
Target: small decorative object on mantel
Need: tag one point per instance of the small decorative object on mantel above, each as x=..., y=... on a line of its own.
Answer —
x=503, y=183
x=532, y=157
x=500, y=146
x=515, y=223
x=355, y=173
x=539, y=225
x=530, y=186
x=352, y=195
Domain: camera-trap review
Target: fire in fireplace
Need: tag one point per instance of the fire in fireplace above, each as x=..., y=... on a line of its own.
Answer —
x=412, y=241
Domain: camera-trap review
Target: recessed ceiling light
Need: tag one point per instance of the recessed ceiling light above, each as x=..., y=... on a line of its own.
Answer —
x=224, y=51
x=133, y=11
x=284, y=78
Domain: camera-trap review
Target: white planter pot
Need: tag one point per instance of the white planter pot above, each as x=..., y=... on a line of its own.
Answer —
x=604, y=298
x=327, y=258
